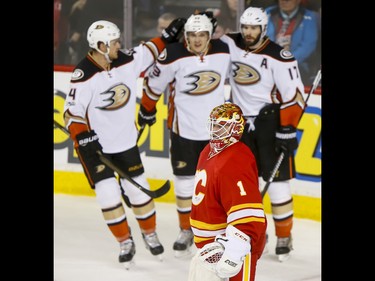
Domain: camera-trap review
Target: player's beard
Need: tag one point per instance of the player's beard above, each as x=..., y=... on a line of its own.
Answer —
x=251, y=44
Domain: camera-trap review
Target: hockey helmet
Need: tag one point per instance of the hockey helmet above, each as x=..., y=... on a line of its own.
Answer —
x=197, y=23
x=102, y=31
x=255, y=16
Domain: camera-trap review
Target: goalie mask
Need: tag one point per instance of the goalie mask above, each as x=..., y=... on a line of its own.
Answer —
x=225, y=126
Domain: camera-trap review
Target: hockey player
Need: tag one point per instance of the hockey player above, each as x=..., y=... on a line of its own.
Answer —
x=266, y=84
x=99, y=114
x=195, y=71
x=227, y=215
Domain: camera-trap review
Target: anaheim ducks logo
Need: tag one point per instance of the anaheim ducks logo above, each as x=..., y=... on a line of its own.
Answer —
x=115, y=97
x=205, y=82
x=100, y=168
x=180, y=164
x=244, y=74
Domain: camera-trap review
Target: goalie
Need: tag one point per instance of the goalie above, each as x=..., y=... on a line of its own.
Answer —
x=227, y=216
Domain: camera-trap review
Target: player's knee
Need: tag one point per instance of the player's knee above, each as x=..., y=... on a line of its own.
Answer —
x=279, y=192
x=136, y=196
x=184, y=186
x=108, y=193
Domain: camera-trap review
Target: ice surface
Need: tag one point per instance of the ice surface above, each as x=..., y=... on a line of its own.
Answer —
x=85, y=250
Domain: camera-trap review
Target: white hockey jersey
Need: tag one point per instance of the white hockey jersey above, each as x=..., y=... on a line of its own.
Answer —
x=256, y=75
x=106, y=100
x=196, y=86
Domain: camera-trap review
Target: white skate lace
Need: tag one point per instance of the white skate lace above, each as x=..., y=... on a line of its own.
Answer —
x=152, y=240
x=185, y=236
x=126, y=246
x=283, y=242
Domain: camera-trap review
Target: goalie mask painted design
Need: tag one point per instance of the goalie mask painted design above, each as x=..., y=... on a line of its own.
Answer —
x=225, y=126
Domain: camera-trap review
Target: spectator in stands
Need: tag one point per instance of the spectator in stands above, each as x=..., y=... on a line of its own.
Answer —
x=312, y=4
x=228, y=15
x=220, y=29
x=295, y=28
x=82, y=14
x=79, y=19
x=163, y=21
x=260, y=3
x=56, y=30
x=61, y=30
x=149, y=28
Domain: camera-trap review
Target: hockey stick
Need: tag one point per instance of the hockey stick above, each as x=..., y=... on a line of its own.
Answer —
x=141, y=129
x=152, y=193
x=314, y=85
x=281, y=156
x=273, y=173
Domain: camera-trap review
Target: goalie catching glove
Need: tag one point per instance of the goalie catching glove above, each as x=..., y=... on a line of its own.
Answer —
x=173, y=32
x=225, y=256
x=286, y=140
x=146, y=117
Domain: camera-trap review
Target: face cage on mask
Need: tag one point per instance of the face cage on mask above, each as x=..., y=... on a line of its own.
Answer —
x=219, y=131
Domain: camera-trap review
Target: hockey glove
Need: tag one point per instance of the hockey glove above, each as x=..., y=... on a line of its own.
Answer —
x=237, y=246
x=88, y=146
x=146, y=117
x=213, y=20
x=173, y=32
x=286, y=140
x=210, y=254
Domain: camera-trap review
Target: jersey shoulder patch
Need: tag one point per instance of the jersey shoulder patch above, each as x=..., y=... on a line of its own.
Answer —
x=173, y=52
x=275, y=51
x=84, y=70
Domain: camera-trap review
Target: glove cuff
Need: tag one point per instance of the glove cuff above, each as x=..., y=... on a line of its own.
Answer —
x=286, y=133
x=145, y=114
x=286, y=136
x=86, y=137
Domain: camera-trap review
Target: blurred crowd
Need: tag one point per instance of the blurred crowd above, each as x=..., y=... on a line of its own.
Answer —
x=294, y=24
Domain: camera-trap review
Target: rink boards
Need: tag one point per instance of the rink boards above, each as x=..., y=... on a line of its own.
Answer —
x=154, y=147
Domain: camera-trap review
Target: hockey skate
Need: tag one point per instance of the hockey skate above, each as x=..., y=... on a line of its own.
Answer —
x=182, y=246
x=153, y=244
x=283, y=248
x=127, y=252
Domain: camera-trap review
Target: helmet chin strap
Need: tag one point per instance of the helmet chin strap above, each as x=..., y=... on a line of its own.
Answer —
x=106, y=54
